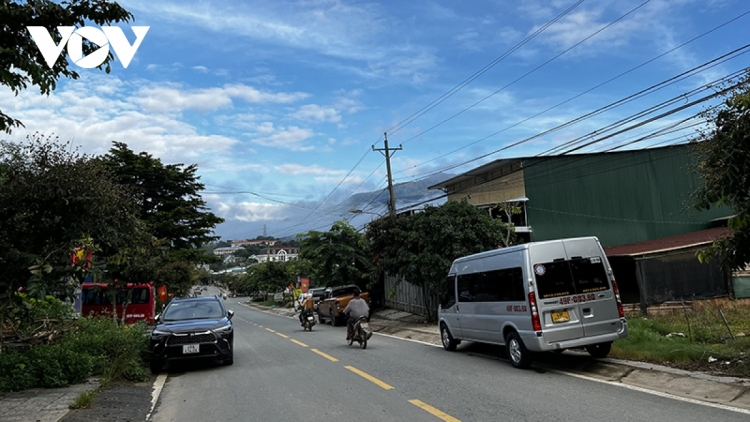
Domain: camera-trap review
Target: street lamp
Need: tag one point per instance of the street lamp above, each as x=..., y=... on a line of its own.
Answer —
x=357, y=211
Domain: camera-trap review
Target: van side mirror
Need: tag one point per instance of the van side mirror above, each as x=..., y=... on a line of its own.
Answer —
x=157, y=318
x=230, y=314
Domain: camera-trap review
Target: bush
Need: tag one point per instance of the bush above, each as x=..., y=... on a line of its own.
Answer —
x=96, y=346
x=47, y=366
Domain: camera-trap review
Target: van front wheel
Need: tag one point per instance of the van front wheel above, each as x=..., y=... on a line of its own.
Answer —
x=600, y=350
x=449, y=343
x=519, y=356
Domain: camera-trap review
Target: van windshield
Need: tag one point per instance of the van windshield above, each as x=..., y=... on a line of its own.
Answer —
x=563, y=278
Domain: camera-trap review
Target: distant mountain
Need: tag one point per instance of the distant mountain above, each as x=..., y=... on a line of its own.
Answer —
x=407, y=193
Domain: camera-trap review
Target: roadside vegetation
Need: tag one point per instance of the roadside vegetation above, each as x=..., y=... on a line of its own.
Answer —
x=61, y=351
x=694, y=338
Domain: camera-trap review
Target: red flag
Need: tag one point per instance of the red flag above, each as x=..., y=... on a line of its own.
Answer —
x=162, y=292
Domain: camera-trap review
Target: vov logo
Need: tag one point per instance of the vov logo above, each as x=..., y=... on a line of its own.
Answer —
x=104, y=38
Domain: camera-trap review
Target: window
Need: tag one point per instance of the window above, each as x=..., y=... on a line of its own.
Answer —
x=504, y=285
x=589, y=274
x=448, y=298
x=562, y=278
x=468, y=286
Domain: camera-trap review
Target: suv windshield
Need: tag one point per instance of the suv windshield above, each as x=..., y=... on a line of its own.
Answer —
x=205, y=309
x=578, y=275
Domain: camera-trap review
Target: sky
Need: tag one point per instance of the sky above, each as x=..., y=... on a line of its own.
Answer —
x=280, y=103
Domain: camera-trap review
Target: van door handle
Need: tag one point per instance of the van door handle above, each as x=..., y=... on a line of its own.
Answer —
x=457, y=308
x=600, y=295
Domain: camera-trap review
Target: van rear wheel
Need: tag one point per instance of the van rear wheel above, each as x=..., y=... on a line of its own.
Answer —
x=519, y=356
x=449, y=343
x=600, y=350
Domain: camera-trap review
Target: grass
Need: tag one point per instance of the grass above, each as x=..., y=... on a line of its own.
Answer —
x=84, y=400
x=693, y=339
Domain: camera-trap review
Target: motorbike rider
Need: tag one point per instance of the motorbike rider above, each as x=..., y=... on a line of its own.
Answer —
x=307, y=309
x=356, y=308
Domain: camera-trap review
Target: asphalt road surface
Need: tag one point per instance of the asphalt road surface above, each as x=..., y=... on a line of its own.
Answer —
x=282, y=373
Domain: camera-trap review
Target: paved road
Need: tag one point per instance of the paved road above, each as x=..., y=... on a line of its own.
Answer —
x=282, y=373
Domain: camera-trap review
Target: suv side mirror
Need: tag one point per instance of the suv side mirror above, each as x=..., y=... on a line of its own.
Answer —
x=230, y=314
x=157, y=318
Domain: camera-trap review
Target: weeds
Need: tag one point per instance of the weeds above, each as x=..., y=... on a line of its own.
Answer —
x=695, y=339
x=84, y=400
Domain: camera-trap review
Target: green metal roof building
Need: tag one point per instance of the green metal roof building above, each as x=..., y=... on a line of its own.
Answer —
x=620, y=197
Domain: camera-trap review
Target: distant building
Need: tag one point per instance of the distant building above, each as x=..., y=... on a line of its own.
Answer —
x=239, y=243
x=226, y=250
x=278, y=253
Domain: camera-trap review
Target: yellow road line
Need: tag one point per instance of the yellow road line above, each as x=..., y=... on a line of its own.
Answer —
x=299, y=342
x=329, y=357
x=282, y=335
x=442, y=415
x=367, y=376
x=268, y=329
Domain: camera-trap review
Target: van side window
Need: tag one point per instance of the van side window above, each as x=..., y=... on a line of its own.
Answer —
x=448, y=298
x=468, y=284
x=504, y=285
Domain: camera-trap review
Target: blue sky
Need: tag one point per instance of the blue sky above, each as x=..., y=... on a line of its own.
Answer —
x=280, y=102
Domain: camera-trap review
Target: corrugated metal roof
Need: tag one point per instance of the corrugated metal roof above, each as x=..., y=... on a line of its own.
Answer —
x=669, y=243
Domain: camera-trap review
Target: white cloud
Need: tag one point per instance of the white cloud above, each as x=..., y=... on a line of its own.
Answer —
x=299, y=169
x=291, y=138
x=174, y=98
x=314, y=112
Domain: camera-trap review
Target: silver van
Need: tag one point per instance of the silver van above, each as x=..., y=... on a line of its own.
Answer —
x=539, y=296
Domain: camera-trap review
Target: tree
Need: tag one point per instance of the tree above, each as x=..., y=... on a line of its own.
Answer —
x=21, y=62
x=724, y=163
x=337, y=257
x=421, y=247
x=53, y=200
x=169, y=202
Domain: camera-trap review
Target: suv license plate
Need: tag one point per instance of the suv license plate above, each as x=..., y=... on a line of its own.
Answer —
x=560, y=316
x=190, y=348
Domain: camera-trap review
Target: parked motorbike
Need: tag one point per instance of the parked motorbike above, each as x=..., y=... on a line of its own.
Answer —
x=362, y=332
x=308, y=322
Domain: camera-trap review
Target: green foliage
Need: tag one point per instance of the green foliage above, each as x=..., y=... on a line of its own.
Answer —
x=724, y=163
x=93, y=347
x=27, y=315
x=169, y=201
x=337, y=257
x=118, y=352
x=47, y=366
x=52, y=200
x=21, y=62
x=84, y=400
x=421, y=247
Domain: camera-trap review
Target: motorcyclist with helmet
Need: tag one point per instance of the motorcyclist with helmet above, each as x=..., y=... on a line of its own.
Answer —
x=356, y=308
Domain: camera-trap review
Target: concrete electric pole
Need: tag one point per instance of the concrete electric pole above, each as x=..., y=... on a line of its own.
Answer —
x=387, y=152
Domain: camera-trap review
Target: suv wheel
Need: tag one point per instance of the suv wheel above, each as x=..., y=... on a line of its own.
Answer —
x=155, y=366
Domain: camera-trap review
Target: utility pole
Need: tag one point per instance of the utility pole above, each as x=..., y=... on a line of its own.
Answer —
x=387, y=152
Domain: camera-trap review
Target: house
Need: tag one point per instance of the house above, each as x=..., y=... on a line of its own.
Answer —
x=277, y=253
x=226, y=250
x=240, y=243
x=622, y=197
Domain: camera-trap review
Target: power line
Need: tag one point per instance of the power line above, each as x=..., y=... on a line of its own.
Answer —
x=588, y=90
x=528, y=73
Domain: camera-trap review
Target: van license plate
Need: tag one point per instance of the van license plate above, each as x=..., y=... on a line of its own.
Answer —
x=190, y=348
x=560, y=316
